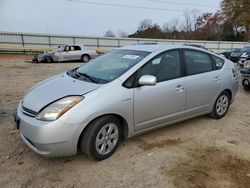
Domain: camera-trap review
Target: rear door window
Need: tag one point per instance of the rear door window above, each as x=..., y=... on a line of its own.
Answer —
x=197, y=62
x=77, y=48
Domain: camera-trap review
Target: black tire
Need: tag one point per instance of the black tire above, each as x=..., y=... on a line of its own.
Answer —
x=215, y=114
x=246, y=84
x=85, y=58
x=49, y=60
x=88, y=140
x=246, y=88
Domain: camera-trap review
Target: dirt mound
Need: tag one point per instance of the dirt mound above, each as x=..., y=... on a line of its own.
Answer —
x=211, y=167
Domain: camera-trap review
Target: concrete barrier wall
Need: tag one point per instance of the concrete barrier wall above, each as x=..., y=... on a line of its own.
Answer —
x=30, y=41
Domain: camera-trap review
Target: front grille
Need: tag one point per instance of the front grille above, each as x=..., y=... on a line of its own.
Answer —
x=29, y=112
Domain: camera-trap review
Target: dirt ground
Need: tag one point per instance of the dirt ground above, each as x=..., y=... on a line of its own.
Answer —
x=200, y=152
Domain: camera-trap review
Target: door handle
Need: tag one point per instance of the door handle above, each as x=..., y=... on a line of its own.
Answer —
x=217, y=79
x=179, y=89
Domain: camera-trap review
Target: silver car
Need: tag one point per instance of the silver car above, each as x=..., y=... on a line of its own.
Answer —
x=67, y=53
x=126, y=92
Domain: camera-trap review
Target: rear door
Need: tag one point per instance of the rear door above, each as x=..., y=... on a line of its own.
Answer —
x=75, y=53
x=65, y=54
x=203, y=82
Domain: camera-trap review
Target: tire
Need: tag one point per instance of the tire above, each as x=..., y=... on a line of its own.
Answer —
x=85, y=58
x=246, y=88
x=49, y=60
x=246, y=84
x=101, y=138
x=221, y=106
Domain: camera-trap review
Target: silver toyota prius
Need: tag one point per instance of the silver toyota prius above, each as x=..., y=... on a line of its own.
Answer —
x=126, y=92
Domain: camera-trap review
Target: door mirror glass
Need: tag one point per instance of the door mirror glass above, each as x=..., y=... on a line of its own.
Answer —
x=147, y=80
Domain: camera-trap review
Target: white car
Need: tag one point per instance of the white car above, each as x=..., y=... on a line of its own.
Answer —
x=67, y=53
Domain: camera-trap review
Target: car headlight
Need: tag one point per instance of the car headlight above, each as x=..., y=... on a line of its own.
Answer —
x=244, y=55
x=247, y=64
x=58, y=108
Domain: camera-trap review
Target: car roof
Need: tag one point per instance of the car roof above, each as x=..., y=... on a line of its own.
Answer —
x=153, y=48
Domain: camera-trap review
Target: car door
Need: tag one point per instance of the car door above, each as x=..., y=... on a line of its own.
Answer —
x=74, y=53
x=65, y=54
x=203, y=82
x=77, y=53
x=164, y=102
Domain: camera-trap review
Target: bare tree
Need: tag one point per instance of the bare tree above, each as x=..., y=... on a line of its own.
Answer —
x=174, y=24
x=122, y=34
x=187, y=21
x=109, y=33
x=165, y=27
x=145, y=24
x=195, y=14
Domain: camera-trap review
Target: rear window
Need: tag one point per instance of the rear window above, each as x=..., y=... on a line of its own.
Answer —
x=76, y=48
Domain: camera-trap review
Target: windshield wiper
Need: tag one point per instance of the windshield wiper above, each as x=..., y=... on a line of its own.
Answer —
x=85, y=75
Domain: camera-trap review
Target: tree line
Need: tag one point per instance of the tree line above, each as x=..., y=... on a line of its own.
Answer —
x=230, y=23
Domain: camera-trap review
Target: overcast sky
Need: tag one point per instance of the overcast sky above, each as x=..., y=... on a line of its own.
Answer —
x=80, y=17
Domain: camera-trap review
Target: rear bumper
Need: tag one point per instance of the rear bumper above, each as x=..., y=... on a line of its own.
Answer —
x=49, y=139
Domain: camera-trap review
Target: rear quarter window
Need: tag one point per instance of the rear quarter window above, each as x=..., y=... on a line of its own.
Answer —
x=219, y=62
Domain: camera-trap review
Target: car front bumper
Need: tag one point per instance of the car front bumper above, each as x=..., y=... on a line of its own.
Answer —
x=242, y=61
x=49, y=139
x=234, y=59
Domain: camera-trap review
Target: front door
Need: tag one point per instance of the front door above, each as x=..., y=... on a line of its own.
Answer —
x=165, y=102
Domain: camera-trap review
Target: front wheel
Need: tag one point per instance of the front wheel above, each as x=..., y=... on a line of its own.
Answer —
x=101, y=138
x=49, y=60
x=246, y=84
x=221, y=106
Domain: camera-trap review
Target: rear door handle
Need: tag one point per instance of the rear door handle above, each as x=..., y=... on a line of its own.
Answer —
x=217, y=79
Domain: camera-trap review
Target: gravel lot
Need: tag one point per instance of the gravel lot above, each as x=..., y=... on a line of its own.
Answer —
x=200, y=152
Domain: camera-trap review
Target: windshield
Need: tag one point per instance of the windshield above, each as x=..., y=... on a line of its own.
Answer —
x=247, y=49
x=59, y=48
x=112, y=65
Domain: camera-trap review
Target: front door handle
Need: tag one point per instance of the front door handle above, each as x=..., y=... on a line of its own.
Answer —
x=179, y=89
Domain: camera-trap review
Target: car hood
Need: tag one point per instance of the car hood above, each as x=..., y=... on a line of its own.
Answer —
x=55, y=88
x=236, y=54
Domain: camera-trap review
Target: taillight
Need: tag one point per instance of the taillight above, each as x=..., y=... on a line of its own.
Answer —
x=234, y=73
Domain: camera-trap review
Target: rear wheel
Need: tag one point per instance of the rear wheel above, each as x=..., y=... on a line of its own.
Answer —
x=101, y=138
x=221, y=106
x=85, y=58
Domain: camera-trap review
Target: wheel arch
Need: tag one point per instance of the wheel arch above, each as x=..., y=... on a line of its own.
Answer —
x=86, y=54
x=124, y=125
x=229, y=92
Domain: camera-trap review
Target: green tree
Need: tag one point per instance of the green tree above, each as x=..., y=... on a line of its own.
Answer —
x=237, y=13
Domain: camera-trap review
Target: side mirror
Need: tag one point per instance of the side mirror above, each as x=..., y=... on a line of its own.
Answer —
x=147, y=80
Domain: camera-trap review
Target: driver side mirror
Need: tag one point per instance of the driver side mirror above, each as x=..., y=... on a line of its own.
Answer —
x=147, y=80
